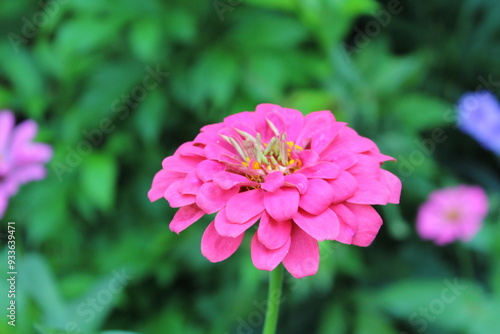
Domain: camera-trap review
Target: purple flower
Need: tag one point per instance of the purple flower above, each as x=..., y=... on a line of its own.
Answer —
x=479, y=116
x=21, y=160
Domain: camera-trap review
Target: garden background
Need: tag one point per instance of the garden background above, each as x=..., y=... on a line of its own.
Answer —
x=117, y=85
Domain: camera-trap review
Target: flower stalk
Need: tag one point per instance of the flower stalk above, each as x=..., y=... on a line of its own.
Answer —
x=273, y=300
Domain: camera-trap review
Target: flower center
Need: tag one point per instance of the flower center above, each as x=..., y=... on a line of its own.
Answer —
x=453, y=215
x=259, y=159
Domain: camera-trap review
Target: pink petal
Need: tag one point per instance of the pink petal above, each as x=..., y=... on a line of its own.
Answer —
x=208, y=168
x=342, y=158
x=227, y=229
x=318, y=197
x=23, y=134
x=211, y=198
x=365, y=166
x=185, y=217
x=282, y=204
x=215, y=151
x=322, y=170
x=393, y=184
x=299, y=181
x=191, y=184
x=324, y=226
x=348, y=223
x=303, y=256
x=217, y=248
x=273, y=181
x=181, y=164
x=175, y=198
x=227, y=180
x=273, y=234
x=308, y=157
x=242, y=121
x=343, y=187
x=349, y=139
x=267, y=259
x=294, y=121
x=28, y=173
x=243, y=206
x=369, y=223
x=370, y=192
x=268, y=112
x=189, y=150
x=319, y=130
x=162, y=180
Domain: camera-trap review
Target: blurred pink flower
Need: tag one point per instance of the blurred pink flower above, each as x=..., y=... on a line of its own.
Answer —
x=21, y=160
x=304, y=179
x=451, y=214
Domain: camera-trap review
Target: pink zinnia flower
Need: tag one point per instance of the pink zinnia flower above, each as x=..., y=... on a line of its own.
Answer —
x=452, y=214
x=21, y=160
x=302, y=179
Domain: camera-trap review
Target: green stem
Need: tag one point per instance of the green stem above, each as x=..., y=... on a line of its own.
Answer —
x=273, y=300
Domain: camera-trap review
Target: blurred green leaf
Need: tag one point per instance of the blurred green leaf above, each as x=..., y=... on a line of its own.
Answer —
x=98, y=180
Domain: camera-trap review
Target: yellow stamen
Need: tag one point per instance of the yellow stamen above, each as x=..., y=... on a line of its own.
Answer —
x=255, y=165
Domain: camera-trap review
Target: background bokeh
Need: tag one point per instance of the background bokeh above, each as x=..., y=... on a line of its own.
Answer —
x=117, y=85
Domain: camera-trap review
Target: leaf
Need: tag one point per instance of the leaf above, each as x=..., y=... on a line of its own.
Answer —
x=419, y=112
x=145, y=39
x=98, y=179
x=37, y=279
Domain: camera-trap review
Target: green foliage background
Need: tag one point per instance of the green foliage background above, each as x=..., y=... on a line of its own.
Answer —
x=393, y=70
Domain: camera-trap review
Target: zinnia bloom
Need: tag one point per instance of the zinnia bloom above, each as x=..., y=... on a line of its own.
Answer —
x=299, y=179
x=452, y=214
x=479, y=116
x=21, y=160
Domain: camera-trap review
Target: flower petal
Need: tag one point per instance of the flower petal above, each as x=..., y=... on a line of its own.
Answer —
x=208, y=168
x=322, y=170
x=273, y=181
x=342, y=158
x=299, y=181
x=324, y=226
x=211, y=198
x=191, y=184
x=181, y=164
x=175, y=198
x=267, y=259
x=161, y=181
x=273, y=234
x=318, y=197
x=369, y=223
x=227, y=180
x=217, y=248
x=282, y=204
x=243, y=206
x=185, y=217
x=303, y=256
x=370, y=191
x=348, y=223
x=227, y=229
x=393, y=184
x=343, y=187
